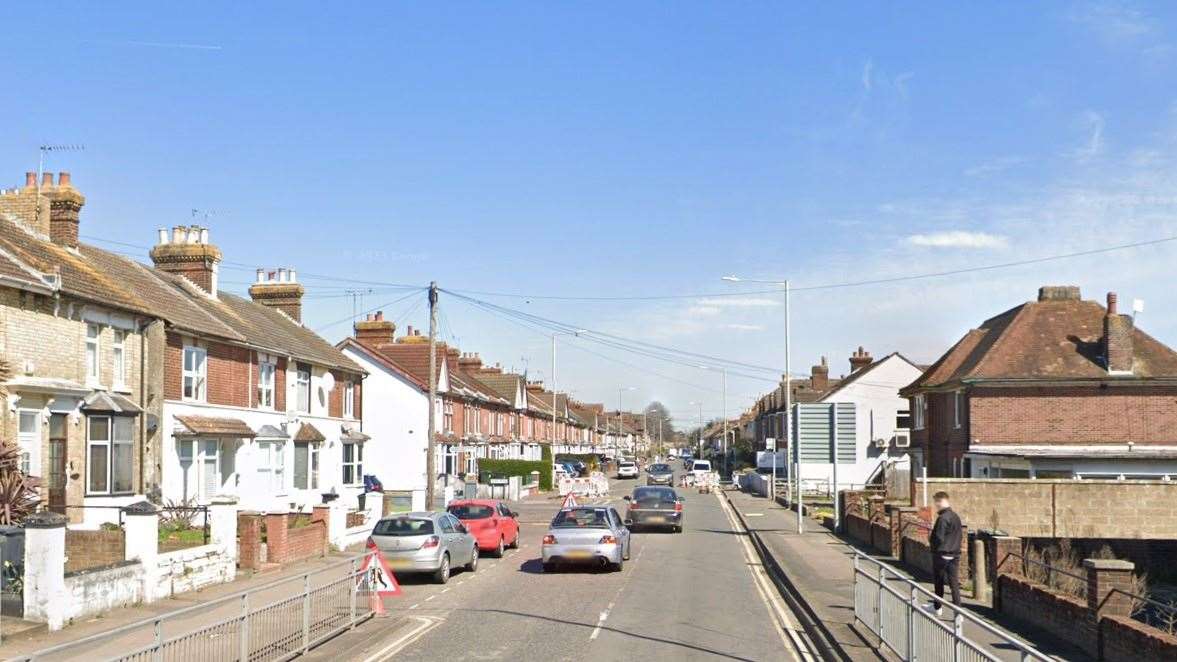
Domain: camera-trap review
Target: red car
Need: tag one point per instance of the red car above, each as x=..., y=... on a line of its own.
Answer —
x=490, y=521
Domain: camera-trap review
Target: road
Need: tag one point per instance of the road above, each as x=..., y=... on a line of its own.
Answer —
x=698, y=595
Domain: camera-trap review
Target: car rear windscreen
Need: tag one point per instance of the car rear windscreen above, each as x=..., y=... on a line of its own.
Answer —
x=471, y=511
x=403, y=526
x=660, y=468
x=578, y=518
x=705, y=466
x=654, y=494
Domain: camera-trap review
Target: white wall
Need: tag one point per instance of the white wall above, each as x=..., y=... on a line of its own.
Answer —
x=877, y=404
x=396, y=416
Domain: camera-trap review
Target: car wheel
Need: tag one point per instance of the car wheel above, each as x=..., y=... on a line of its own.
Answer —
x=515, y=543
x=678, y=529
x=502, y=546
x=442, y=575
x=617, y=567
x=473, y=564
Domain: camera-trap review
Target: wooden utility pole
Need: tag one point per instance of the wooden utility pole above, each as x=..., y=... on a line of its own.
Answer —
x=431, y=442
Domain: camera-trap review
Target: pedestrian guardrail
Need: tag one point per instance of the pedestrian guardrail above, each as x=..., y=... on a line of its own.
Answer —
x=891, y=606
x=277, y=621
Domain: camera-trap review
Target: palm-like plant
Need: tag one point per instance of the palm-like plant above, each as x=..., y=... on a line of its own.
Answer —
x=18, y=494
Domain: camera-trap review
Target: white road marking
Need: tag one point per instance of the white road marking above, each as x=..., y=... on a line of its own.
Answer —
x=788, y=629
x=753, y=514
x=445, y=590
x=425, y=624
x=430, y=598
x=601, y=619
x=415, y=606
x=625, y=582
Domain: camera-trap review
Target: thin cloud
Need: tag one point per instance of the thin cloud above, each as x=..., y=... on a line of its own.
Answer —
x=703, y=310
x=1093, y=123
x=165, y=44
x=867, y=69
x=744, y=327
x=957, y=239
x=739, y=302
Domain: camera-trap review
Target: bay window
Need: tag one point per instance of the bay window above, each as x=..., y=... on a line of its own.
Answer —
x=353, y=463
x=195, y=373
x=110, y=444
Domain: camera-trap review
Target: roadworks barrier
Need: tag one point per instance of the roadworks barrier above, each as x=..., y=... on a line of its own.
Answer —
x=596, y=485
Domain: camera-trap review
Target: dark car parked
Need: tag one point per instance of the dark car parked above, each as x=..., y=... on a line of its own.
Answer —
x=658, y=507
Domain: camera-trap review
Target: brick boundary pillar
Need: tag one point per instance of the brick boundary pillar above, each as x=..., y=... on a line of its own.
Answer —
x=322, y=513
x=1108, y=582
x=249, y=527
x=998, y=561
x=877, y=508
x=897, y=515
x=276, y=544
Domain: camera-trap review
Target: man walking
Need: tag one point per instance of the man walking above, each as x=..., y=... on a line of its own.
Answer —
x=945, y=546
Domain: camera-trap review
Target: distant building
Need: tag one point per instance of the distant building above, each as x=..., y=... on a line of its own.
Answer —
x=1058, y=387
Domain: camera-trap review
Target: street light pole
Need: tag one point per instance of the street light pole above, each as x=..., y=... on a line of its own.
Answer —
x=725, y=467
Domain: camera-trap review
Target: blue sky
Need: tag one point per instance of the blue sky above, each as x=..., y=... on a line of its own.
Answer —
x=604, y=149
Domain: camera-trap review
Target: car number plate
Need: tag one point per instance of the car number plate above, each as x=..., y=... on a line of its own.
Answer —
x=397, y=563
x=657, y=518
x=579, y=554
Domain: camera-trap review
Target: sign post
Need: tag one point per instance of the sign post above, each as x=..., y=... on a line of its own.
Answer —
x=770, y=445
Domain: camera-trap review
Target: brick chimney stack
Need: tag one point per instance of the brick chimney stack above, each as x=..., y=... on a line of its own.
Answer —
x=65, y=208
x=860, y=359
x=27, y=205
x=279, y=289
x=375, y=329
x=819, y=376
x=471, y=361
x=1117, y=338
x=187, y=253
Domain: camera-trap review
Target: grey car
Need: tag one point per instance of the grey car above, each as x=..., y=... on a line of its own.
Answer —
x=426, y=542
x=587, y=535
x=660, y=474
x=659, y=507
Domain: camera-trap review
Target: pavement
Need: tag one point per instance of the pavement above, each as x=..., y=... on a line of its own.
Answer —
x=820, y=565
x=690, y=596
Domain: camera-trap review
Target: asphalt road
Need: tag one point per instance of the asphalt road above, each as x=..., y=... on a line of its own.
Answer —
x=688, y=596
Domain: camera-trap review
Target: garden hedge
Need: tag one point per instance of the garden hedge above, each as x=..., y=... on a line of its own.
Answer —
x=522, y=468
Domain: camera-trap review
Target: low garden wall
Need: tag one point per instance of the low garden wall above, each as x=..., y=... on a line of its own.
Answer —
x=85, y=549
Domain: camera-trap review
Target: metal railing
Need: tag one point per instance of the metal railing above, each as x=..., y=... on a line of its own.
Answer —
x=889, y=605
x=1153, y=612
x=276, y=621
x=1042, y=572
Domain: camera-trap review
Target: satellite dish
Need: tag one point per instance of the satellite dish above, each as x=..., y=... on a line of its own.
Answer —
x=328, y=382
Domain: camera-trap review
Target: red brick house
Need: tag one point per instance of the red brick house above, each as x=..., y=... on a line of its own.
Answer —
x=1057, y=387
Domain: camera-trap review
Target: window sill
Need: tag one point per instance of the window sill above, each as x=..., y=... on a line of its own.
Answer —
x=121, y=388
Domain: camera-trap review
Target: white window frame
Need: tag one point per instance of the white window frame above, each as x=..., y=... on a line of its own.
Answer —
x=303, y=387
x=314, y=465
x=919, y=409
x=93, y=353
x=267, y=372
x=355, y=464
x=447, y=417
x=271, y=465
x=29, y=442
x=349, y=399
x=109, y=444
x=957, y=408
x=118, y=350
x=200, y=452
x=198, y=374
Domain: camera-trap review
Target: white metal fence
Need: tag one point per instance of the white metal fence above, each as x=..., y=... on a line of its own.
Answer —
x=891, y=606
x=272, y=622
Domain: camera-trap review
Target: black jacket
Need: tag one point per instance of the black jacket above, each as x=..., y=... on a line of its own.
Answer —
x=945, y=536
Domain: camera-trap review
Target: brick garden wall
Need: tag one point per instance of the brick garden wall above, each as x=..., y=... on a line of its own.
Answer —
x=1128, y=640
x=1063, y=508
x=93, y=549
x=1063, y=616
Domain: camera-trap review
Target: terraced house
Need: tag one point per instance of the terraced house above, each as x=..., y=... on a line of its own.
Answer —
x=168, y=388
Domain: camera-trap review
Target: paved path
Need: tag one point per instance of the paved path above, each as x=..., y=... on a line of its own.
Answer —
x=688, y=596
x=820, y=564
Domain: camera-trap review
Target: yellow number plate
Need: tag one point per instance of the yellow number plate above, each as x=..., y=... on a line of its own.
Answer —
x=579, y=554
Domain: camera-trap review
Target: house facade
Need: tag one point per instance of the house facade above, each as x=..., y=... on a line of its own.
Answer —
x=148, y=382
x=1058, y=387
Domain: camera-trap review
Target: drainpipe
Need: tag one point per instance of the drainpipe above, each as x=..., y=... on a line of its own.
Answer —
x=143, y=405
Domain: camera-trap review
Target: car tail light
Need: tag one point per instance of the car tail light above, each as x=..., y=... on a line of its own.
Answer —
x=431, y=542
x=678, y=506
x=607, y=540
x=549, y=539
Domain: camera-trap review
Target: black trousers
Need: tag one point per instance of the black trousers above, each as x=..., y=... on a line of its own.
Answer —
x=946, y=571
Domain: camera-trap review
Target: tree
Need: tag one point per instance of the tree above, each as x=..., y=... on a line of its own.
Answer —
x=656, y=411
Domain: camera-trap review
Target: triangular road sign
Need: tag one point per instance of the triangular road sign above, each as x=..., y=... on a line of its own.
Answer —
x=381, y=581
x=569, y=501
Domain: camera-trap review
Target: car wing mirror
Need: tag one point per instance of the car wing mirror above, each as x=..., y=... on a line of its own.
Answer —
x=628, y=523
x=626, y=498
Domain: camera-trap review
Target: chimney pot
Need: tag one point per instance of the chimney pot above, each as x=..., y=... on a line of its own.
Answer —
x=293, y=275
x=1112, y=303
x=63, y=179
x=204, y=235
x=30, y=179
x=281, y=275
x=163, y=236
x=261, y=275
x=380, y=315
x=46, y=180
x=177, y=234
x=409, y=330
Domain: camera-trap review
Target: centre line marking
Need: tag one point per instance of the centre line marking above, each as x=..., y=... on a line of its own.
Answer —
x=430, y=598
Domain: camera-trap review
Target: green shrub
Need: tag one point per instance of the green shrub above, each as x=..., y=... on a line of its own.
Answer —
x=522, y=468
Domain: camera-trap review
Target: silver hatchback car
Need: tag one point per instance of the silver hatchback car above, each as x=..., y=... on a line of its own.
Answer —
x=587, y=535
x=426, y=542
